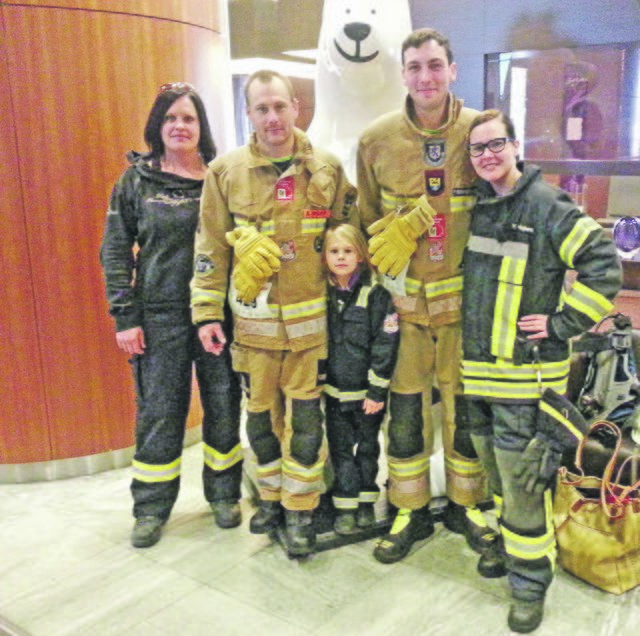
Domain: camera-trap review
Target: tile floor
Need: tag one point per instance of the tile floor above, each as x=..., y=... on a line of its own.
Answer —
x=67, y=569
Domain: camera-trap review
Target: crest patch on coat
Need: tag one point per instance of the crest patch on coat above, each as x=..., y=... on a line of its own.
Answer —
x=203, y=264
x=435, y=152
x=434, y=182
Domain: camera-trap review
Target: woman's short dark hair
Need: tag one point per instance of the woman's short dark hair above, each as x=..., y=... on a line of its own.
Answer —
x=488, y=115
x=162, y=103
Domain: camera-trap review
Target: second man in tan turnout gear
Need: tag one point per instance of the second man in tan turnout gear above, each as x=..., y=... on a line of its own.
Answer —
x=264, y=211
x=414, y=187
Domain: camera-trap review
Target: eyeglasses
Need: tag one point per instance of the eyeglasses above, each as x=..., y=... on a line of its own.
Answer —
x=179, y=87
x=495, y=145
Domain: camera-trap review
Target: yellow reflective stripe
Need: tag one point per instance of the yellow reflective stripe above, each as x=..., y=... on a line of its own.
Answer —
x=548, y=512
x=313, y=226
x=376, y=380
x=269, y=475
x=508, y=299
x=408, y=469
x=519, y=391
x=344, y=396
x=206, y=296
x=395, y=201
x=576, y=238
x=363, y=296
x=529, y=548
x=306, y=328
x=412, y=286
x=467, y=467
x=559, y=417
x=588, y=302
x=462, y=203
x=368, y=497
x=304, y=309
x=503, y=369
x=221, y=461
x=497, y=502
x=441, y=287
x=344, y=503
x=299, y=479
x=154, y=473
x=268, y=228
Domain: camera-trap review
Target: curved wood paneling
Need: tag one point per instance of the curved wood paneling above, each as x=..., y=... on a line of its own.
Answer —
x=79, y=101
x=196, y=12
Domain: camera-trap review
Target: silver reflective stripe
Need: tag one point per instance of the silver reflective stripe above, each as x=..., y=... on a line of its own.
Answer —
x=259, y=328
x=484, y=245
x=307, y=328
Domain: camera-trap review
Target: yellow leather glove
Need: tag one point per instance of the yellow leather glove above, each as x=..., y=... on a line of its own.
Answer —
x=247, y=286
x=394, y=238
x=257, y=252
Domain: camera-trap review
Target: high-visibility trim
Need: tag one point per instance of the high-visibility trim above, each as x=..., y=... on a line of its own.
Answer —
x=304, y=309
x=492, y=247
x=259, y=328
x=475, y=516
x=307, y=328
x=156, y=473
x=401, y=469
x=548, y=512
x=268, y=228
x=466, y=467
x=313, y=226
x=397, y=201
x=299, y=480
x=497, y=502
x=442, y=287
x=576, y=239
x=529, y=548
x=344, y=396
x=521, y=391
x=412, y=285
x=401, y=521
x=506, y=370
x=368, y=496
x=462, y=203
x=269, y=476
x=376, y=380
x=445, y=306
x=505, y=315
x=363, y=296
x=589, y=302
x=221, y=461
x=345, y=503
x=561, y=419
x=206, y=297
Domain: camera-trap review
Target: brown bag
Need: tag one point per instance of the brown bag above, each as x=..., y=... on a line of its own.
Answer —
x=598, y=521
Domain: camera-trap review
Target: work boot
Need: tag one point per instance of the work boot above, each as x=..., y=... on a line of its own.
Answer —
x=226, y=513
x=268, y=517
x=366, y=516
x=300, y=535
x=409, y=526
x=525, y=616
x=146, y=531
x=471, y=523
x=493, y=560
x=345, y=522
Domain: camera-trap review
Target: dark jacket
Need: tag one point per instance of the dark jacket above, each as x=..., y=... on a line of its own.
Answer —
x=363, y=342
x=158, y=211
x=520, y=248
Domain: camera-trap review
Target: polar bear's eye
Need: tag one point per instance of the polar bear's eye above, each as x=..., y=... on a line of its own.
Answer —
x=373, y=11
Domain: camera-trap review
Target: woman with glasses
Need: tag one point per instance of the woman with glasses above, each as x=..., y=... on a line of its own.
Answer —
x=517, y=321
x=148, y=257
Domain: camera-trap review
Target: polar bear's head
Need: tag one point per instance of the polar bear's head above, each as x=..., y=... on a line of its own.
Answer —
x=360, y=42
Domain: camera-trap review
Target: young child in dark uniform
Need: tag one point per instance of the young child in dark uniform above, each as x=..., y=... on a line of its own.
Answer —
x=363, y=347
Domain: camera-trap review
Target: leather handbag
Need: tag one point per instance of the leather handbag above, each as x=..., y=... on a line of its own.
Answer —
x=597, y=519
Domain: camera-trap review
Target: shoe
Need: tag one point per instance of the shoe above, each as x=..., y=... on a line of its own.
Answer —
x=493, y=560
x=366, y=516
x=525, y=616
x=226, y=513
x=410, y=526
x=146, y=531
x=268, y=517
x=471, y=523
x=345, y=522
x=300, y=534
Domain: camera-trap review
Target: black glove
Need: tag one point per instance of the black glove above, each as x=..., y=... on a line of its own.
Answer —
x=537, y=465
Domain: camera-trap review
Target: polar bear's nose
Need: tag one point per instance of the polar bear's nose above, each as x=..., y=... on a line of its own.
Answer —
x=357, y=31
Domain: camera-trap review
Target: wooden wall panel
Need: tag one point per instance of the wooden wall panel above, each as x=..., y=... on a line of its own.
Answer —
x=24, y=432
x=196, y=12
x=82, y=97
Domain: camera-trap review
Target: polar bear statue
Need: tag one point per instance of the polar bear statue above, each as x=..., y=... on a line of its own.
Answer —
x=358, y=71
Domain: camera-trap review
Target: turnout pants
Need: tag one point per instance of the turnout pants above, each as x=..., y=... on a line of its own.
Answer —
x=284, y=421
x=500, y=434
x=354, y=449
x=427, y=355
x=163, y=379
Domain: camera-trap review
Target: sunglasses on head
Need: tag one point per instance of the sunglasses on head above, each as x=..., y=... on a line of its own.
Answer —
x=179, y=87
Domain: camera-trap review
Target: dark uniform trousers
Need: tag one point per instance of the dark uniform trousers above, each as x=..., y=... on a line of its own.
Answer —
x=500, y=434
x=163, y=379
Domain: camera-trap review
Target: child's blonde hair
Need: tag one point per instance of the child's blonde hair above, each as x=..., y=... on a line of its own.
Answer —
x=355, y=238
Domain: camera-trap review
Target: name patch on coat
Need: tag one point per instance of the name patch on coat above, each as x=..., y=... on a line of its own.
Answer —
x=285, y=189
x=317, y=214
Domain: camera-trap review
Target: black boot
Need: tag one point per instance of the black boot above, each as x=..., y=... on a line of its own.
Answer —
x=525, y=616
x=493, y=560
x=366, y=516
x=301, y=535
x=410, y=526
x=268, y=517
x=471, y=523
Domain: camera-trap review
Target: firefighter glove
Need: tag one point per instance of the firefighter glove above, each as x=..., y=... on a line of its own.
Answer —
x=247, y=286
x=537, y=466
x=259, y=255
x=559, y=422
x=394, y=238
